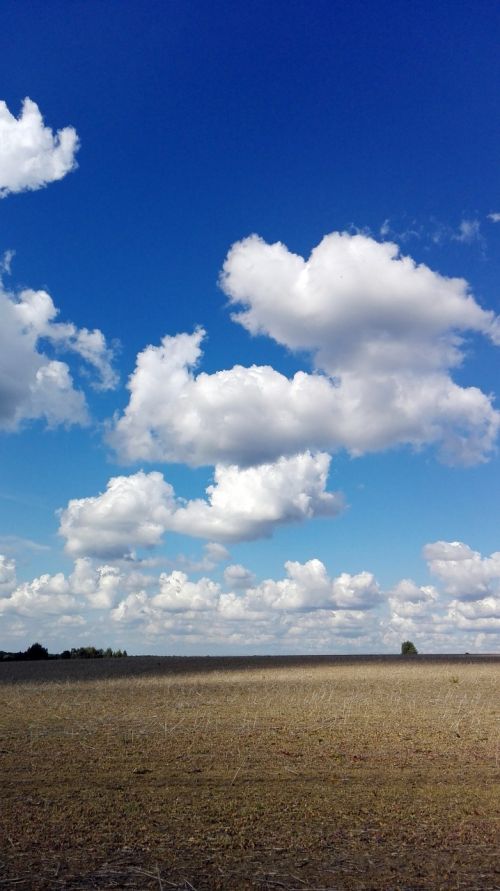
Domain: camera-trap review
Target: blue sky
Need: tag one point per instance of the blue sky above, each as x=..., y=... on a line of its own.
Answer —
x=316, y=189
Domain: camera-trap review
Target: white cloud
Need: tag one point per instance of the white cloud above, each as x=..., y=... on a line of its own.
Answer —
x=213, y=553
x=307, y=609
x=308, y=586
x=465, y=573
x=408, y=600
x=12, y=544
x=238, y=576
x=357, y=304
x=427, y=615
x=34, y=384
x=178, y=594
x=245, y=504
x=494, y=217
x=242, y=416
x=216, y=552
x=384, y=332
x=36, y=313
x=31, y=155
x=71, y=622
x=468, y=232
x=415, y=613
x=48, y=594
x=6, y=262
x=322, y=627
x=133, y=609
x=135, y=511
x=479, y=616
x=100, y=585
x=470, y=620
x=7, y=575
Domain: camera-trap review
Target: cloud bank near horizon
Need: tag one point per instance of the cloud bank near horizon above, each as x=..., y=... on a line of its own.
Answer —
x=306, y=610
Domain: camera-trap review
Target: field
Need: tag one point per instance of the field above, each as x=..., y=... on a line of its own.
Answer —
x=250, y=774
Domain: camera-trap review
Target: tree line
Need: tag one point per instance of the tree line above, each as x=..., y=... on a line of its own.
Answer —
x=36, y=652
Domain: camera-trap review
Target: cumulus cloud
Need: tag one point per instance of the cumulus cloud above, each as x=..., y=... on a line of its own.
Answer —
x=31, y=155
x=238, y=576
x=465, y=574
x=48, y=594
x=307, y=586
x=415, y=613
x=494, y=217
x=100, y=585
x=428, y=614
x=133, y=609
x=241, y=416
x=244, y=504
x=135, y=511
x=481, y=615
x=355, y=303
x=409, y=600
x=306, y=609
x=97, y=587
x=178, y=594
x=252, y=415
x=36, y=313
x=33, y=383
x=306, y=605
x=384, y=332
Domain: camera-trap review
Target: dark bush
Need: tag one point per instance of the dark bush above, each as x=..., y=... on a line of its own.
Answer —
x=36, y=651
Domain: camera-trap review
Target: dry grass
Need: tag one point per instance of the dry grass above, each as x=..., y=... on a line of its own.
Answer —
x=365, y=776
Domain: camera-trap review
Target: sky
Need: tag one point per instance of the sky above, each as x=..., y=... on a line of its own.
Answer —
x=249, y=266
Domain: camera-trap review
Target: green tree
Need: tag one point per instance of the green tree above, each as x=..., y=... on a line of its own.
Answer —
x=408, y=648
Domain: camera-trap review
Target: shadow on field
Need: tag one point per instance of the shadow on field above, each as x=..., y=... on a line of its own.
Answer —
x=61, y=670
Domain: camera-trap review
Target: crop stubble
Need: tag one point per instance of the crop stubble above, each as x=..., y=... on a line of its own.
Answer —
x=358, y=776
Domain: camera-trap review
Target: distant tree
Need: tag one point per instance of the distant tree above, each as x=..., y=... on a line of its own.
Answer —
x=408, y=648
x=91, y=653
x=36, y=651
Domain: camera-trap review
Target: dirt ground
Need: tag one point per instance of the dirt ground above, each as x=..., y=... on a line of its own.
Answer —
x=256, y=774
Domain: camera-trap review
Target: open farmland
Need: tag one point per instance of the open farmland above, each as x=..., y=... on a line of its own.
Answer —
x=238, y=774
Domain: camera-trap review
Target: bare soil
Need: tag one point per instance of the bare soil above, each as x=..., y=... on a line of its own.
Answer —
x=250, y=774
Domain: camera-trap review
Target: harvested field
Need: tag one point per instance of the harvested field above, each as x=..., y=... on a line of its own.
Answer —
x=250, y=774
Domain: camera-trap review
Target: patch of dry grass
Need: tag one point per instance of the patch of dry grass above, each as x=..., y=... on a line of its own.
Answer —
x=366, y=776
